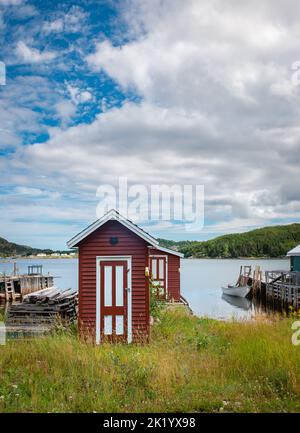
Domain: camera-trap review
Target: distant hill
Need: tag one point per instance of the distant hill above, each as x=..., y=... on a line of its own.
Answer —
x=8, y=249
x=273, y=241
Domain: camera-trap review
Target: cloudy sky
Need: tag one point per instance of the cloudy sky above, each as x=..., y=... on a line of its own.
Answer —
x=160, y=91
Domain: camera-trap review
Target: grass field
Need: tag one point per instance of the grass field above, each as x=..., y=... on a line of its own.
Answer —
x=190, y=365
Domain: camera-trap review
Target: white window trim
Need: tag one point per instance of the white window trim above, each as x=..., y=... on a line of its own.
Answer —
x=100, y=259
x=166, y=279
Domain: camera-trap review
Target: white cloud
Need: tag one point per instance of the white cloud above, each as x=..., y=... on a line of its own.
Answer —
x=11, y=2
x=24, y=11
x=74, y=19
x=65, y=109
x=2, y=24
x=37, y=192
x=187, y=51
x=78, y=95
x=84, y=96
x=71, y=22
x=29, y=191
x=16, y=108
x=218, y=107
x=33, y=55
x=53, y=26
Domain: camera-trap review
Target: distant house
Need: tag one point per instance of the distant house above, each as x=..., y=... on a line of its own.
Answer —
x=115, y=260
x=294, y=254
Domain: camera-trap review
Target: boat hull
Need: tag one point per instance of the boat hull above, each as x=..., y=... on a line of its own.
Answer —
x=240, y=292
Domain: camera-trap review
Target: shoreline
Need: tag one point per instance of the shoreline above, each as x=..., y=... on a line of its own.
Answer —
x=185, y=258
x=238, y=258
x=12, y=259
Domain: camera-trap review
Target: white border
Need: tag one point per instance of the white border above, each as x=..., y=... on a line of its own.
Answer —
x=100, y=259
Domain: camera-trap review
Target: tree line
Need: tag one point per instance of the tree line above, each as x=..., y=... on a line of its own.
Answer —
x=273, y=241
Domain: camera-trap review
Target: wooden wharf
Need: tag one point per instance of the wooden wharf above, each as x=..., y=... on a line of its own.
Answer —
x=15, y=286
x=279, y=287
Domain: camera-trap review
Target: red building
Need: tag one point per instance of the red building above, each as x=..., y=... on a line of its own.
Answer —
x=115, y=260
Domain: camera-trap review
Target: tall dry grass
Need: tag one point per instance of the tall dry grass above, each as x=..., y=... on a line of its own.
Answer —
x=191, y=364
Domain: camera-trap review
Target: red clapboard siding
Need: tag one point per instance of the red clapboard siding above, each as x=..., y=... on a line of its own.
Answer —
x=98, y=244
x=173, y=273
x=174, y=277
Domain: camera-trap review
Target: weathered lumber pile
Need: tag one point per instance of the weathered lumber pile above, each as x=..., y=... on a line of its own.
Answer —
x=46, y=307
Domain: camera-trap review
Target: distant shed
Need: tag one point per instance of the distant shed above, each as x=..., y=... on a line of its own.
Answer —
x=294, y=254
x=115, y=259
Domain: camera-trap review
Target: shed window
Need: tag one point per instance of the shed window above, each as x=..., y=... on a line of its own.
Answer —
x=161, y=269
x=154, y=271
x=113, y=240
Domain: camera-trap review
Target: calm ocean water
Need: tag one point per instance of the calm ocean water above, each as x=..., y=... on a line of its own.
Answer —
x=201, y=282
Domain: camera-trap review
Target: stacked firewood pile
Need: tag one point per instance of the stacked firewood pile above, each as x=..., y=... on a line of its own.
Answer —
x=46, y=307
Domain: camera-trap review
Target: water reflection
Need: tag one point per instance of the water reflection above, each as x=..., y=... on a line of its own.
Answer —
x=243, y=303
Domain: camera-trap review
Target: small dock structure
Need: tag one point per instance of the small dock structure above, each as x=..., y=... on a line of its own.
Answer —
x=284, y=287
x=15, y=286
x=280, y=287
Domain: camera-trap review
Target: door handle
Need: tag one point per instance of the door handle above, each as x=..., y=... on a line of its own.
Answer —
x=127, y=289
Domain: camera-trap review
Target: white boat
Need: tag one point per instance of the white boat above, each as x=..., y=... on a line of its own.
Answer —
x=240, y=291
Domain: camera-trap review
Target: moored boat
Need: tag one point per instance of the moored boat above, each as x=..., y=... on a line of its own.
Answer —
x=239, y=291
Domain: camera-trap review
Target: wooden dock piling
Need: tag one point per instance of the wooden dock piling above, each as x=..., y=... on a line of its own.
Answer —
x=284, y=287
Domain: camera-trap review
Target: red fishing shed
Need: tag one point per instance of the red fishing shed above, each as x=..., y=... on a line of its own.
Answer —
x=115, y=260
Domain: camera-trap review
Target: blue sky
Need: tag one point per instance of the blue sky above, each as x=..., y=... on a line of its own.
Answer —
x=162, y=92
